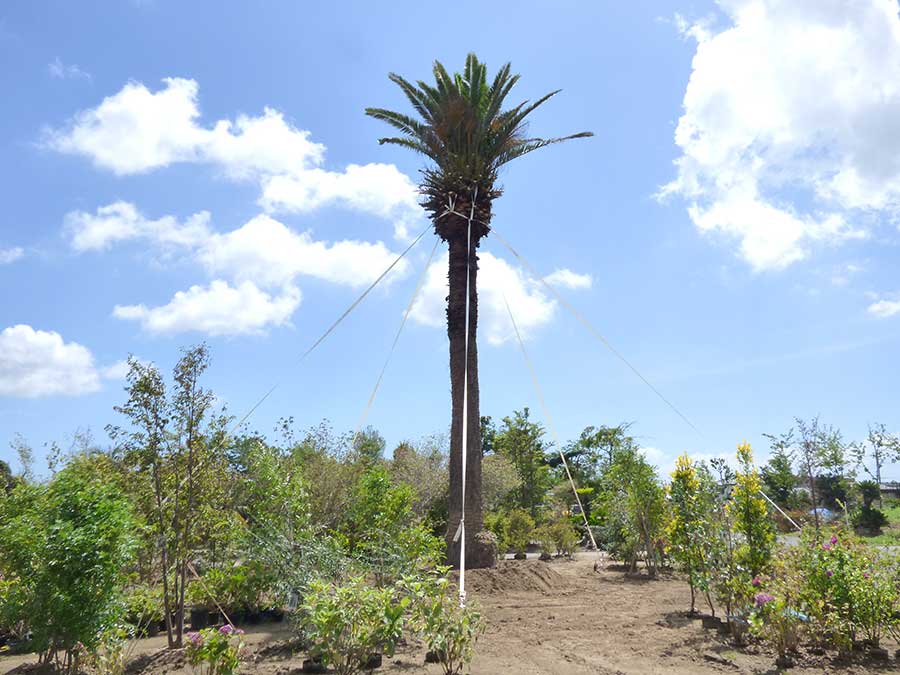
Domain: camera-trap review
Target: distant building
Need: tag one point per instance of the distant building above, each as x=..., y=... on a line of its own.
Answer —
x=890, y=490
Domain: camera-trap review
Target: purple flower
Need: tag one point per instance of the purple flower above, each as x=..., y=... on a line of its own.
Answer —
x=756, y=582
x=762, y=598
x=238, y=631
x=227, y=629
x=833, y=540
x=829, y=573
x=195, y=638
x=865, y=575
x=826, y=547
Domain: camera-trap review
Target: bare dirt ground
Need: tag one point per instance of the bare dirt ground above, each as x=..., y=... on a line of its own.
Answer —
x=560, y=618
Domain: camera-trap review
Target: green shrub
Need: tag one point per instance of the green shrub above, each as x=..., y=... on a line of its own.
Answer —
x=779, y=615
x=144, y=605
x=347, y=623
x=848, y=590
x=382, y=531
x=777, y=623
x=497, y=523
x=558, y=538
x=66, y=545
x=519, y=528
x=215, y=651
x=449, y=631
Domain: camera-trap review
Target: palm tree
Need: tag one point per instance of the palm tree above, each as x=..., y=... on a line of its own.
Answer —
x=465, y=132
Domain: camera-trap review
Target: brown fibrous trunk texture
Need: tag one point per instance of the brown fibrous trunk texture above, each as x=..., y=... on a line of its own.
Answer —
x=454, y=229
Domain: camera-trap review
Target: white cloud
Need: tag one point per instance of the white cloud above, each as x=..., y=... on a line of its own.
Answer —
x=267, y=252
x=136, y=130
x=884, y=308
x=217, y=309
x=115, y=371
x=497, y=279
x=121, y=221
x=63, y=71
x=380, y=189
x=35, y=363
x=10, y=255
x=568, y=279
x=259, y=261
x=791, y=124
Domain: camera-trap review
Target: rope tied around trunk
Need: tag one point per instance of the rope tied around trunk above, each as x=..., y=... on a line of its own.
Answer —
x=460, y=535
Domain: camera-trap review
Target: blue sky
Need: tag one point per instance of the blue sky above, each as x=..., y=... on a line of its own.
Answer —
x=176, y=172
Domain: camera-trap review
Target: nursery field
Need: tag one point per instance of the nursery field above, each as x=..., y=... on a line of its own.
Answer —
x=560, y=618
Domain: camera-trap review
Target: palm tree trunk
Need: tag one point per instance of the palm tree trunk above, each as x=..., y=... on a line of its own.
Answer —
x=477, y=553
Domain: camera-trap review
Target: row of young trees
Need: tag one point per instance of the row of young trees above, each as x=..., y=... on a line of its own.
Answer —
x=828, y=590
x=189, y=513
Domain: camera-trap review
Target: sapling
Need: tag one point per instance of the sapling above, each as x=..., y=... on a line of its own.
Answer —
x=691, y=527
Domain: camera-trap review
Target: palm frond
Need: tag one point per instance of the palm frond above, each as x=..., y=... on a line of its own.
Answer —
x=463, y=127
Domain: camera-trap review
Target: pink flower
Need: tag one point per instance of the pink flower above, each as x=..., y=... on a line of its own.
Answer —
x=826, y=547
x=195, y=638
x=239, y=631
x=763, y=598
x=865, y=575
x=756, y=581
x=833, y=540
x=227, y=629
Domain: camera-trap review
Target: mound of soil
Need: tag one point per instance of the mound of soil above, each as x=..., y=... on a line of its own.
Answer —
x=516, y=576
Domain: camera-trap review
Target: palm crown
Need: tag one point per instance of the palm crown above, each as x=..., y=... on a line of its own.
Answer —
x=464, y=129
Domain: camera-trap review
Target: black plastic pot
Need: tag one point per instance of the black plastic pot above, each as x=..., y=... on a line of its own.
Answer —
x=274, y=614
x=374, y=661
x=199, y=618
x=313, y=665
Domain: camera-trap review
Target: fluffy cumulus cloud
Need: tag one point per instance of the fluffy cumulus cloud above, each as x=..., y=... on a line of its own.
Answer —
x=791, y=124
x=216, y=309
x=121, y=221
x=11, y=255
x=498, y=283
x=138, y=130
x=885, y=307
x=253, y=269
x=268, y=252
x=36, y=363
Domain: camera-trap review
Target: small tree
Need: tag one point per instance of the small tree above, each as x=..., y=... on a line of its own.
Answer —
x=518, y=530
x=521, y=441
x=175, y=444
x=778, y=476
x=691, y=525
x=65, y=546
x=750, y=514
x=634, y=503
